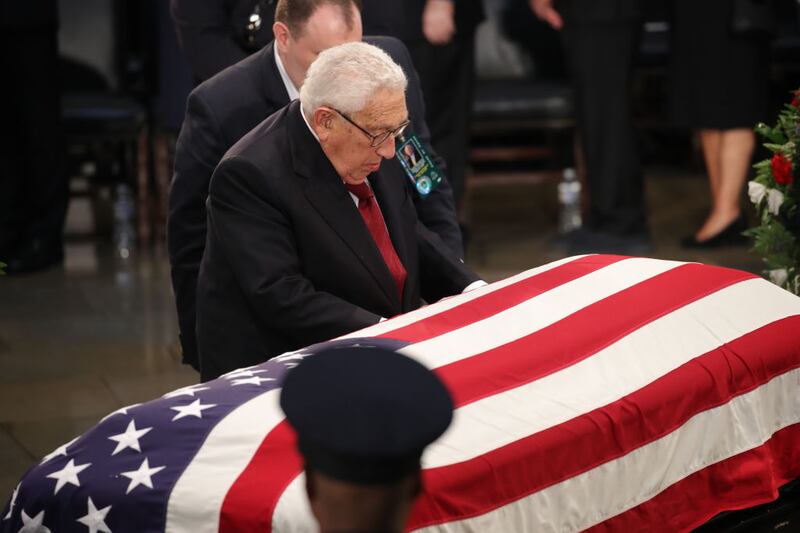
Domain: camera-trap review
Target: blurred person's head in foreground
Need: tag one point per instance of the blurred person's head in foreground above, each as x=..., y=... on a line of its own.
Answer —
x=363, y=416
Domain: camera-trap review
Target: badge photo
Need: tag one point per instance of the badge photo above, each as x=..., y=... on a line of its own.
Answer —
x=418, y=165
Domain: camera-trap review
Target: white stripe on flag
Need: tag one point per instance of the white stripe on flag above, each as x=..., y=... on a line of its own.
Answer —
x=196, y=500
x=623, y=367
x=536, y=313
x=293, y=513
x=449, y=303
x=580, y=502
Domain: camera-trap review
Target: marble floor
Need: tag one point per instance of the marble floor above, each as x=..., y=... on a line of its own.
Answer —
x=82, y=340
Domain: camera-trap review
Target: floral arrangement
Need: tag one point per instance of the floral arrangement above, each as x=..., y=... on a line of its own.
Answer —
x=776, y=196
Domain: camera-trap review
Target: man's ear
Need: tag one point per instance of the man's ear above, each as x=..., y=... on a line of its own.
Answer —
x=322, y=121
x=282, y=34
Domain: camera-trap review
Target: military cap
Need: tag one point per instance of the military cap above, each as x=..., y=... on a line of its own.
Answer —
x=364, y=414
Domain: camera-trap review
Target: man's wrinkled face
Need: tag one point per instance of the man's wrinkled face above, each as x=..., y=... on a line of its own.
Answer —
x=349, y=149
x=325, y=29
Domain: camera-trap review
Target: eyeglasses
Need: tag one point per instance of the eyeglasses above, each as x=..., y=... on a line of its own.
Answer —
x=380, y=138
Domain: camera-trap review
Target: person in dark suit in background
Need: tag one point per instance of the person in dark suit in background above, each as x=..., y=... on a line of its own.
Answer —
x=220, y=111
x=309, y=235
x=215, y=34
x=600, y=40
x=440, y=34
x=33, y=187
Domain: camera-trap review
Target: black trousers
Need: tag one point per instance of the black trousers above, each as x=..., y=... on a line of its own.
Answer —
x=600, y=58
x=447, y=77
x=33, y=185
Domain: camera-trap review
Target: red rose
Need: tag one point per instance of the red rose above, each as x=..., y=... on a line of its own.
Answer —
x=782, y=169
x=796, y=100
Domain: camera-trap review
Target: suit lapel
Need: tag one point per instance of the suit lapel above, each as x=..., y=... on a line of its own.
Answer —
x=329, y=197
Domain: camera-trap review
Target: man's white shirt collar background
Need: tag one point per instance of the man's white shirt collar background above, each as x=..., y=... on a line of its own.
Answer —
x=291, y=90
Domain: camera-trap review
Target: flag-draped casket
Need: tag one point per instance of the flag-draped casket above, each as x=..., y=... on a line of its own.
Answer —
x=596, y=392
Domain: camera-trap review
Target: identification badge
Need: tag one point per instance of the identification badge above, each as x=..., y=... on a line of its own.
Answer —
x=417, y=164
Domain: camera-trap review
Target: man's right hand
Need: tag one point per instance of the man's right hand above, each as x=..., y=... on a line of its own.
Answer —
x=544, y=10
x=438, y=22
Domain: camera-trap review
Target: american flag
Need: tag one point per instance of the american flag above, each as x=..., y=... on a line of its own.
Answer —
x=597, y=392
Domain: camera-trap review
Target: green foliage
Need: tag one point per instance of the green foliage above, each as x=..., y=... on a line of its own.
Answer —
x=777, y=238
x=774, y=147
x=772, y=135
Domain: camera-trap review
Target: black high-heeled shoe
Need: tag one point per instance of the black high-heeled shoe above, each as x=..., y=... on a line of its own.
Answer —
x=731, y=235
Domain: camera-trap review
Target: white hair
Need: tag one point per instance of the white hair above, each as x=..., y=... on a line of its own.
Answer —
x=347, y=76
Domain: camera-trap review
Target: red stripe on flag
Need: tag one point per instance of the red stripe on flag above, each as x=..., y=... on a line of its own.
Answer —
x=500, y=300
x=582, y=334
x=251, y=500
x=506, y=474
x=756, y=475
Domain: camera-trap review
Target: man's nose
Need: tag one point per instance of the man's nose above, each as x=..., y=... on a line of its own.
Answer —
x=386, y=148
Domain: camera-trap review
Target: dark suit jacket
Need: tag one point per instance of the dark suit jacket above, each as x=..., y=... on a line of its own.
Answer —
x=19, y=15
x=598, y=11
x=289, y=260
x=213, y=33
x=218, y=113
x=403, y=18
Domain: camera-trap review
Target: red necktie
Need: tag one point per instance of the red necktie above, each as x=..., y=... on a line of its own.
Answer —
x=371, y=213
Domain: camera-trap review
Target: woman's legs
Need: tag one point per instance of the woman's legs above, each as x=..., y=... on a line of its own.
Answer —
x=727, y=155
x=710, y=143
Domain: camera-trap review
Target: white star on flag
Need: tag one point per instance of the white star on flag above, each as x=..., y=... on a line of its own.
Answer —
x=193, y=409
x=255, y=380
x=186, y=391
x=61, y=450
x=13, y=502
x=141, y=476
x=33, y=525
x=290, y=356
x=129, y=439
x=95, y=518
x=68, y=474
x=122, y=411
x=242, y=373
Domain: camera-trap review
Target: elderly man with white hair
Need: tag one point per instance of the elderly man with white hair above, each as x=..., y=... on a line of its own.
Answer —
x=311, y=234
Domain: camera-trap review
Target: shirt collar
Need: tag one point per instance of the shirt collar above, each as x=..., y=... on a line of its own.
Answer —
x=291, y=90
x=302, y=114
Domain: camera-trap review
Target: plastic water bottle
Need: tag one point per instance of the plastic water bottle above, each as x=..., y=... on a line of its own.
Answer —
x=124, y=228
x=569, y=201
